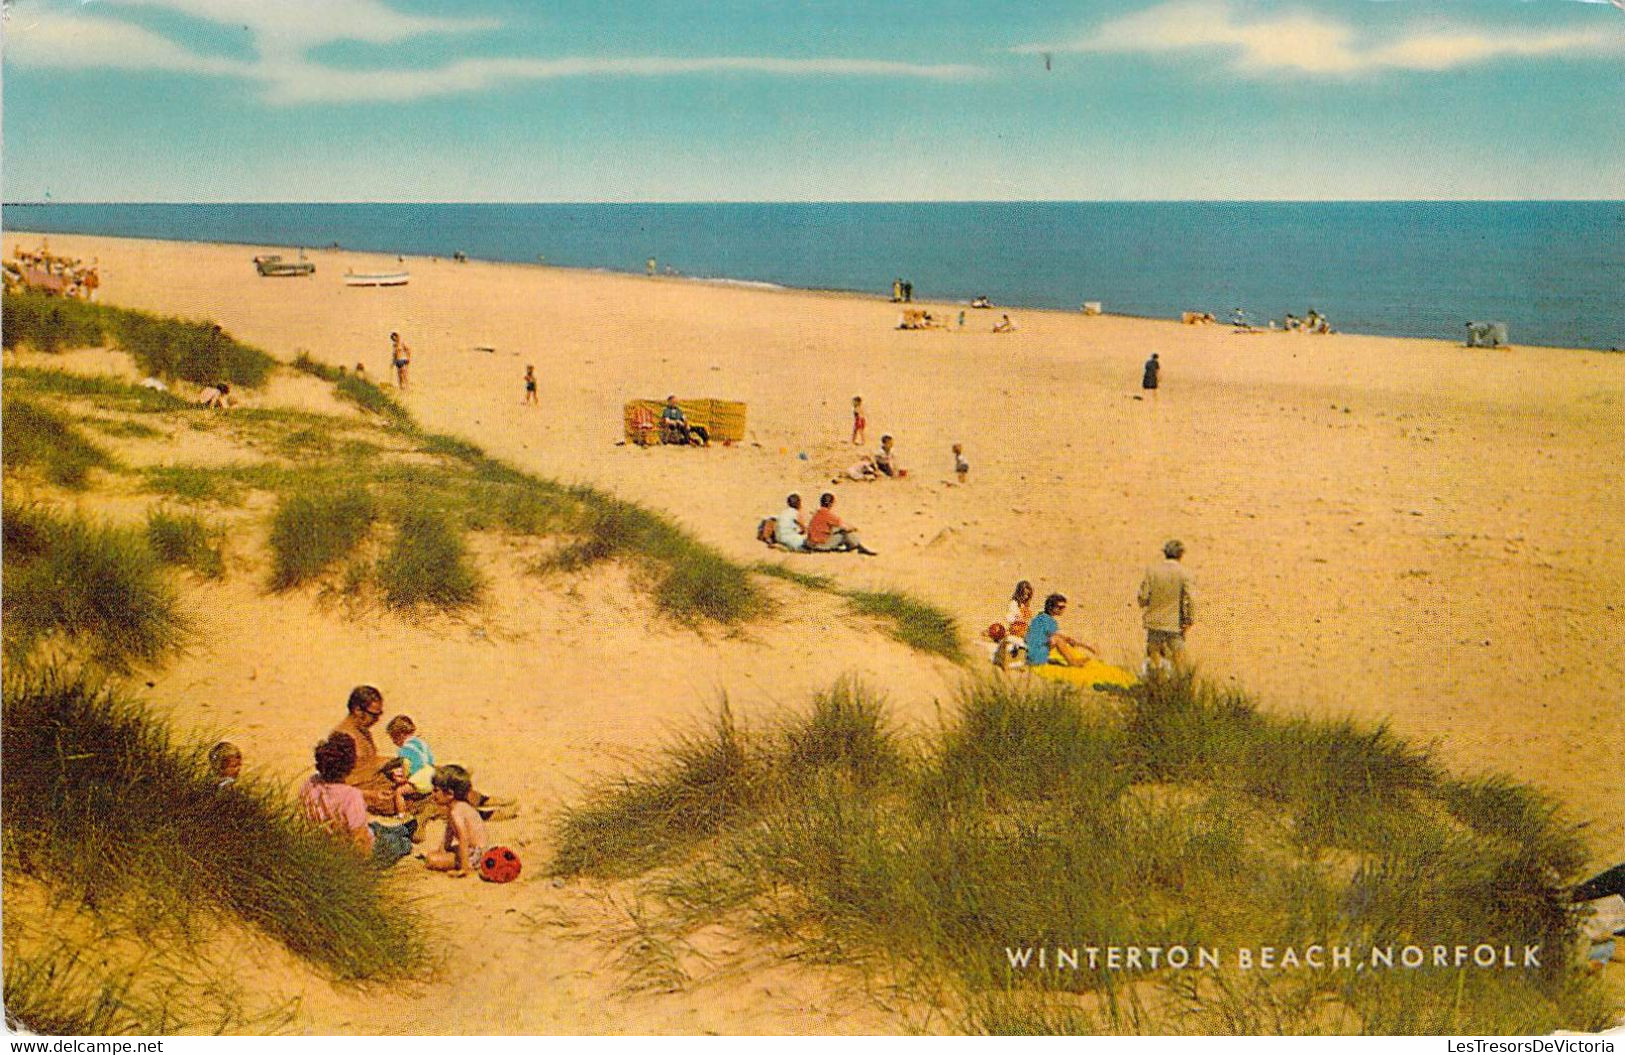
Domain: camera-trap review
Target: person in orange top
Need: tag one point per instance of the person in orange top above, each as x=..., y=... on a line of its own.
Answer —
x=827, y=534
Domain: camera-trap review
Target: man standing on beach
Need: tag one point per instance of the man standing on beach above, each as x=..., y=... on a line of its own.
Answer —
x=1170, y=607
x=1152, y=369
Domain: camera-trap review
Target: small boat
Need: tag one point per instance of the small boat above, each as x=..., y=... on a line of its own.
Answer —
x=273, y=266
x=390, y=278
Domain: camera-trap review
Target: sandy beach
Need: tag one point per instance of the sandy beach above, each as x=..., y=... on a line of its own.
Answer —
x=1396, y=530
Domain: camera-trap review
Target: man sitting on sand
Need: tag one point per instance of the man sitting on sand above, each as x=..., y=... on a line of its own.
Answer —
x=827, y=534
x=674, y=424
x=1004, y=325
x=1170, y=607
x=365, y=707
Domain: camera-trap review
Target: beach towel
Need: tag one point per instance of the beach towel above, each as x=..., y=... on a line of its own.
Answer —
x=1095, y=674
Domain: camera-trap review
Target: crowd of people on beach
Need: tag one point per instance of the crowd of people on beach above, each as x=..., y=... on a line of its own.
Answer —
x=45, y=272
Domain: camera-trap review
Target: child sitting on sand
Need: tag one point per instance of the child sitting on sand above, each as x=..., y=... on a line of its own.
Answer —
x=414, y=753
x=406, y=796
x=225, y=763
x=886, y=459
x=460, y=851
x=961, y=466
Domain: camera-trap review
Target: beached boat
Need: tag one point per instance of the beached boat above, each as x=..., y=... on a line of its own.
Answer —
x=275, y=267
x=390, y=278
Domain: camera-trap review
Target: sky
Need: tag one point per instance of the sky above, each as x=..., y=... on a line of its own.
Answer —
x=812, y=100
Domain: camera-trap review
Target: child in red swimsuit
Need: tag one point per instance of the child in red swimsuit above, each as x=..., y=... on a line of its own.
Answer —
x=858, y=422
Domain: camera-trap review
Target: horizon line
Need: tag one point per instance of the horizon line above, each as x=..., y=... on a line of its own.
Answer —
x=33, y=203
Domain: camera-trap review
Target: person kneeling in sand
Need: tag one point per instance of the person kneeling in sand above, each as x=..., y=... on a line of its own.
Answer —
x=460, y=850
x=863, y=470
x=215, y=397
x=1046, y=643
x=1004, y=325
x=827, y=534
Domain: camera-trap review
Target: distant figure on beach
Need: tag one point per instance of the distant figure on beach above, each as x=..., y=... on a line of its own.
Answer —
x=1169, y=601
x=216, y=396
x=1046, y=643
x=225, y=764
x=886, y=457
x=361, y=371
x=530, y=386
x=1153, y=369
x=1004, y=325
x=863, y=471
x=896, y=291
x=1238, y=319
x=400, y=359
x=908, y=292
x=859, y=422
x=961, y=318
x=650, y=266
x=676, y=429
x=961, y=466
x=826, y=533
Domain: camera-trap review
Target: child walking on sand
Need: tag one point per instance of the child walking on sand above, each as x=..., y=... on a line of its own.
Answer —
x=460, y=851
x=961, y=466
x=858, y=421
x=530, y=386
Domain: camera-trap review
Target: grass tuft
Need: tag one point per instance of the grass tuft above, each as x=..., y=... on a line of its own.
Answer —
x=99, y=800
x=49, y=324
x=34, y=436
x=913, y=622
x=428, y=564
x=184, y=539
x=98, y=587
x=311, y=531
x=1040, y=816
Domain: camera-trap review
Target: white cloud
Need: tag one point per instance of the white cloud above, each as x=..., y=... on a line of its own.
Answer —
x=1309, y=44
x=286, y=31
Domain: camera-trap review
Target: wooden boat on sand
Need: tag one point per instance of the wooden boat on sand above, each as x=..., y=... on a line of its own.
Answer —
x=273, y=266
x=389, y=278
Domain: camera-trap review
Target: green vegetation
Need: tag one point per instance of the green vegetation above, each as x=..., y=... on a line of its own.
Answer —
x=913, y=622
x=428, y=564
x=99, y=800
x=311, y=530
x=35, y=436
x=98, y=587
x=184, y=539
x=356, y=389
x=107, y=393
x=170, y=348
x=49, y=324
x=800, y=578
x=1042, y=817
x=192, y=483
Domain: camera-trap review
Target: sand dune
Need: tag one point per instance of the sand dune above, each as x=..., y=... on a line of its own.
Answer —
x=1392, y=529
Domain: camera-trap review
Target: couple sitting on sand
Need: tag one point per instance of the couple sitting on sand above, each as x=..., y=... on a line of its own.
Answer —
x=823, y=533
x=1036, y=638
x=352, y=779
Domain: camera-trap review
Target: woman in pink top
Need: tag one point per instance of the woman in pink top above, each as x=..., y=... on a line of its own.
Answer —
x=340, y=809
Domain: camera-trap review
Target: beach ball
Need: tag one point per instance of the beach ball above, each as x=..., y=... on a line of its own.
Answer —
x=784, y=450
x=499, y=865
x=996, y=631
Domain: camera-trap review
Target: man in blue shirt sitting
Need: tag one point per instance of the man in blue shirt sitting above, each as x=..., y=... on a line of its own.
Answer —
x=1044, y=634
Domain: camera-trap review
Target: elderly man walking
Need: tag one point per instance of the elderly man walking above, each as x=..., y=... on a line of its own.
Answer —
x=1170, y=608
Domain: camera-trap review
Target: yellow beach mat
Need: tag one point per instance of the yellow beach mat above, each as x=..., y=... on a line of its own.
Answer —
x=1095, y=674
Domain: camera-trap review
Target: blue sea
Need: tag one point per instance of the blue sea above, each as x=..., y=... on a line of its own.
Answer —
x=1553, y=271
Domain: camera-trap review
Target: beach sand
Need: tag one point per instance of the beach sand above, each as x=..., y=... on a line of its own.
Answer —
x=1394, y=530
